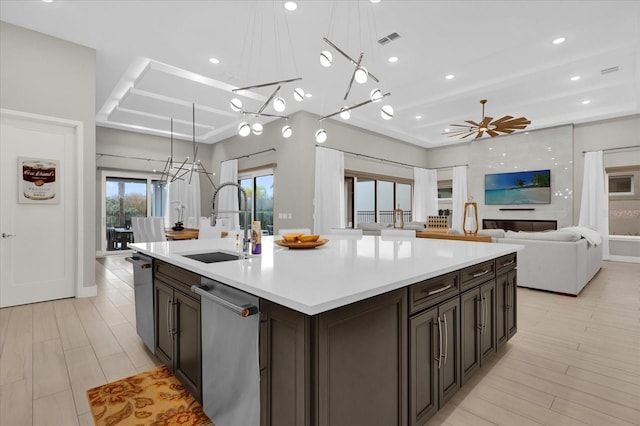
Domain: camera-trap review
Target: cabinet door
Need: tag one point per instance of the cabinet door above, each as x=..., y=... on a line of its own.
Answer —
x=488, y=342
x=470, y=328
x=449, y=374
x=164, y=323
x=502, y=290
x=285, y=371
x=424, y=350
x=362, y=362
x=512, y=314
x=188, y=355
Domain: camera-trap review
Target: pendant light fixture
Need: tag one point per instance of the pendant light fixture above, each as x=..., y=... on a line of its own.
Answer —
x=276, y=101
x=360, y=74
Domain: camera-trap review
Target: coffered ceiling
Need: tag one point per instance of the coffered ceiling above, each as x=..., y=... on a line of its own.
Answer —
x=153, y=60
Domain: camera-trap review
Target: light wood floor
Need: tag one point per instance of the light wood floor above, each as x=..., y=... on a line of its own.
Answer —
x=574, y=361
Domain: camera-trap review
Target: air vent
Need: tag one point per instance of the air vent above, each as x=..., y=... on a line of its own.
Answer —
x=609, y=70
x=389, y=38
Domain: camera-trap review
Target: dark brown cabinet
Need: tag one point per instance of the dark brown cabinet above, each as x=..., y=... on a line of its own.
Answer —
x=177, y=325
x=478, y=327
x=434, y=359
x=347, y=366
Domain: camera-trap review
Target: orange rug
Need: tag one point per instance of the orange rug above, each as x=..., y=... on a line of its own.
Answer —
x=154, y=398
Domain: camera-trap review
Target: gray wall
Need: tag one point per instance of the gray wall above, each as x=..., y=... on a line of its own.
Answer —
x=44, y=75
x=294, y=159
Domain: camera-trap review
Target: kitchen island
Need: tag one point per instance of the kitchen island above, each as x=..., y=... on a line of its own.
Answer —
x=364, y=331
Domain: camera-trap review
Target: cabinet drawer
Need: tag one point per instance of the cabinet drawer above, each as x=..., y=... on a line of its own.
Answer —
x=477, y=274
x=177, y=277
x=429, y=292
x=506, y=263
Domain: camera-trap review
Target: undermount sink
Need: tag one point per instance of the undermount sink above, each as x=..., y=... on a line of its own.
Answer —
x=213, y=256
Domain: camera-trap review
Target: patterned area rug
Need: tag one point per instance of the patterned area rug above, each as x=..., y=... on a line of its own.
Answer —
x=154, y=398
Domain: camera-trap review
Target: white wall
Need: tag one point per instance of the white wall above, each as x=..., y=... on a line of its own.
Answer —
x=44, y=75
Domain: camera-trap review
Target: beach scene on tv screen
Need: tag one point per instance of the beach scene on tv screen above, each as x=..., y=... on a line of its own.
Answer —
x=532, y=187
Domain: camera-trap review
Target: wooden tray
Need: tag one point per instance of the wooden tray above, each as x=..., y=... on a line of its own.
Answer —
x=301, y=245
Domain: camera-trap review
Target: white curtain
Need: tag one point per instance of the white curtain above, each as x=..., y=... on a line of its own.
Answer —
x=328, y=203
x=459, y=195
x=228, y=196
x=594, y=207
x=183, y=199
x=425, y=194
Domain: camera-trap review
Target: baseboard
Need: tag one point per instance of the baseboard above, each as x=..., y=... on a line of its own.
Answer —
x=627, y=259
x=87, y=291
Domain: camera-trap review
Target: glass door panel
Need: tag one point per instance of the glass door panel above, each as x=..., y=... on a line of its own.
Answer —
x=264, y=202
x=366, y=201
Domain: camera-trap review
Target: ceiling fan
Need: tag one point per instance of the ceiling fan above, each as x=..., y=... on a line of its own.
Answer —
x=506, y=124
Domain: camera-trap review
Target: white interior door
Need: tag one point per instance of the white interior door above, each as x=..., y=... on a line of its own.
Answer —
x=39, y=240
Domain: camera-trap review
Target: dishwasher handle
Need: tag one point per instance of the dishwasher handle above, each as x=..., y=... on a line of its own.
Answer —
x=138, y=261
x=208, y=292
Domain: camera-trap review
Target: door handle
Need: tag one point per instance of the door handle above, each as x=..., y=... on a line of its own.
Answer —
x=486, y=310
x=479, y=326
x=169, y=315
x=446, y=340
x=5, y=235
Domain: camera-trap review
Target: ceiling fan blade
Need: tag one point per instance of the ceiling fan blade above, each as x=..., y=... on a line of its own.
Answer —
x=473, y=123
x=466, y=126
x=479, y=135
x=458, y=132
x=485, y=122
x=492, y=133
x=503, y=119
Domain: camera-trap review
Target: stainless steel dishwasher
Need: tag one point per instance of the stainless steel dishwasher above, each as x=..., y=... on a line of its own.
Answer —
x=230, y=359
x=143, y=291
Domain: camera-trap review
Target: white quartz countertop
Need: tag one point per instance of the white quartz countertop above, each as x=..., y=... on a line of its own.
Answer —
x=343, y=271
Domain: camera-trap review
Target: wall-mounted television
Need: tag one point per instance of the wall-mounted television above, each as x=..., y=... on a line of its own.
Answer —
x=532, y=187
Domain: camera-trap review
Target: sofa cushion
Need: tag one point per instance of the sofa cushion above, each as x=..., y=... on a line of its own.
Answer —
x=545, y=236
x=591, y=235
x=493, y=233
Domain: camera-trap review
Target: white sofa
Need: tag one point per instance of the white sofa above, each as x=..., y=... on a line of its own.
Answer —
x=562, y=261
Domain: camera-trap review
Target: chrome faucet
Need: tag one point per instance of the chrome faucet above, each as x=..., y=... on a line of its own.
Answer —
x=246, y=241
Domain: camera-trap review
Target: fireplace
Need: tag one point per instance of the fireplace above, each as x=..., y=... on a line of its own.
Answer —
x=520, y=224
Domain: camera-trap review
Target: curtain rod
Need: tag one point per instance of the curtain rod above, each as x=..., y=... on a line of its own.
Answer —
x=388, y=161
x=449, y=167
x=99, y=154
x=369, y=156
x=251, y=155
x=613, y=149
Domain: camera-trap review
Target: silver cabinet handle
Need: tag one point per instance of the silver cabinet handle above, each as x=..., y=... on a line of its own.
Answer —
x=440, y=290
x=138, y=262
x=5, y=235
x=486, y=310
x=169, y=317
x=243, y=311
x=481, y=273
x=446, y=339
x=479, y=326
x=511, y=262
x=439, y=358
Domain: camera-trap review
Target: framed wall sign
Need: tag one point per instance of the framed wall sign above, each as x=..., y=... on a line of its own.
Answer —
x=38, y=181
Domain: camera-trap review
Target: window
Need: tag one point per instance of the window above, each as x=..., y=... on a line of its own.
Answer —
x=374, y=200
x=624, y=200
x=445, y=190
x=126, y=198
x=259, y=188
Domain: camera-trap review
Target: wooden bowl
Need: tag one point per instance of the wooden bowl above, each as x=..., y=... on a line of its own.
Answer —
x=308, y=238
x=291, y=237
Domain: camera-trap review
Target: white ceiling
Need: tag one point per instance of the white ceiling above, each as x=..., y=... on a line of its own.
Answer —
x=152, y=60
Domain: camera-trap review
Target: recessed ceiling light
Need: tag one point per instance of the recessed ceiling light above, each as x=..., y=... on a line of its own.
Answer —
x=449, y=76
x=447, y=130
x=375, y=1
x=214, y=60
x=559, y=40
x=393, y=59
x=575, y=78
x=290, y=5
x=418, y=117
x=586, y=102
x=308, y=95
x=48, y=1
